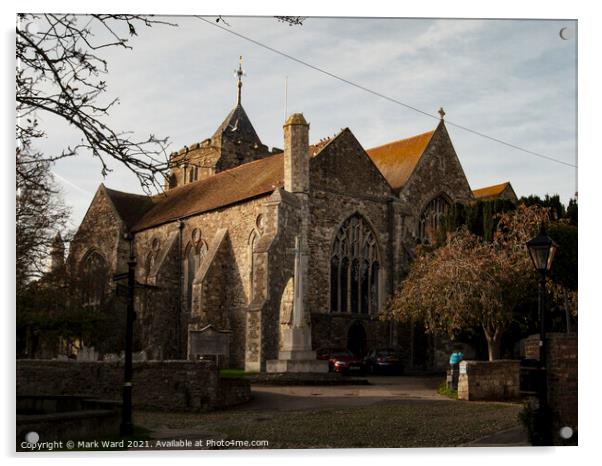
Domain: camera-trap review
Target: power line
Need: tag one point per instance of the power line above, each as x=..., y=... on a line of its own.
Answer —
x=383, y=96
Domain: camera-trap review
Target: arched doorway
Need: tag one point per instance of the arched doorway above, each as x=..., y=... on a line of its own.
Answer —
x=356, y=339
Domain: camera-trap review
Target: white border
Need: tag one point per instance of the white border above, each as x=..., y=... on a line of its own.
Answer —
x=590, y=107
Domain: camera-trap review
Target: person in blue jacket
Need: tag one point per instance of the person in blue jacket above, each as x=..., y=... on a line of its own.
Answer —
x=456, y=357
x=454, y=363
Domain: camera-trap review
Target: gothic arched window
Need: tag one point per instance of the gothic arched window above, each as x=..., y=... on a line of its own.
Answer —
x=195, y=252
x=431, y=218
x=94, y=278
x=355, y=268
x=253, y=239
x=152, y=256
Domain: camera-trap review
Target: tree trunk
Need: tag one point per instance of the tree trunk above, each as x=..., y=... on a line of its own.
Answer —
x=494, y=344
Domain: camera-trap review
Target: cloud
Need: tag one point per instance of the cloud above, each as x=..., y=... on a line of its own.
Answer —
x=514, y=80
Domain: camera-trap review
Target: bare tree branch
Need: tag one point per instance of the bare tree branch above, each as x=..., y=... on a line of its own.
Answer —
x=59, y=72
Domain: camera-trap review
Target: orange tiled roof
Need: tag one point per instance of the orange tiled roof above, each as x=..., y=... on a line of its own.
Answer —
x=397, y=160
x=490, y=191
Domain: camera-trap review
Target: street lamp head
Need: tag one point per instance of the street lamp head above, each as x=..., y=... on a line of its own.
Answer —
x=542, y=250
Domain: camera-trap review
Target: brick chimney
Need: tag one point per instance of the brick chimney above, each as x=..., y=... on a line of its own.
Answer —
x=296, y=154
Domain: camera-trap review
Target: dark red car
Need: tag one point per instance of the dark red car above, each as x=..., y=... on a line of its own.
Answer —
x=384, y=360
x=341, y=360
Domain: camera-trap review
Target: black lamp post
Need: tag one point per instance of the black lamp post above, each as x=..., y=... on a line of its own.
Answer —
x=542, y=250
x=127, y=427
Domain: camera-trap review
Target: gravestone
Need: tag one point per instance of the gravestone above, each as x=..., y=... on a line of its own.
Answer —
x=209, y=343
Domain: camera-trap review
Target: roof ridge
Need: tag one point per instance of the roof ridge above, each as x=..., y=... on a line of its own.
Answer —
x=329, y=139
x=146, y=196
x=223, y=172
x=252, y=179
x=397, y=160
x=431, y=132
x=504, y=183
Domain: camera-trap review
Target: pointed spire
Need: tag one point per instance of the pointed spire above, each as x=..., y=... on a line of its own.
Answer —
x=239, y=74
x=441, y=113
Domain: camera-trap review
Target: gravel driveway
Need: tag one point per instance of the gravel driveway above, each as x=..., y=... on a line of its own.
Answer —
x=392, y=412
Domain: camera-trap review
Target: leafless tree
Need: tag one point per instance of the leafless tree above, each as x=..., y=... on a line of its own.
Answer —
x=291, y=20
x=40, y=214
x=59, y=70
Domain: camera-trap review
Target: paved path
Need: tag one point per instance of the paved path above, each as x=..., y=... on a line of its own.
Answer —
x=312, y=397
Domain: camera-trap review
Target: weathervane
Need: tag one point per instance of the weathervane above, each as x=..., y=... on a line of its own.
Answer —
x=239, y=73
x=441, y=112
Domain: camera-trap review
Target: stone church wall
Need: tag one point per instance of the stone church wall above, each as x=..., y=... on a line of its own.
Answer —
x=158, y=321
x=240, y=220
x=101, y=230
x=273, y=268
x=344, y=182
x=438, y=172
x=328, y=211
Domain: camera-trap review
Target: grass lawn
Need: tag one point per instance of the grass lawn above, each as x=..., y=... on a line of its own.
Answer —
x=234, y=373
x=390, y=424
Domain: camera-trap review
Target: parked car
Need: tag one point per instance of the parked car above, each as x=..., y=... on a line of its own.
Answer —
x=341, y=360
x=384, y=360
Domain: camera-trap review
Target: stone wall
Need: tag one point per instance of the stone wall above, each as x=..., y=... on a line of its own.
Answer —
x=241, y=221
x=273, y=264
x=489, y=380
x=562, y=360
x=85, y=425
x=158, y=385
x=438, y=172
x=330, y=331
x=344, y=181
x=101, y=230
x=157, y=333
x=65, y=418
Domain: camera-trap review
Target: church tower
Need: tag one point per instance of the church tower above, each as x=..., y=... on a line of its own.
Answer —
x=234, y=143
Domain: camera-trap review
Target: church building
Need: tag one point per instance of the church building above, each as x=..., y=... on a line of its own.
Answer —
x=247, y=242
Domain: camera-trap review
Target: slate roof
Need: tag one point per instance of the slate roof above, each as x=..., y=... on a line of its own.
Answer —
x=490, y=191
x=130, y=207
x=220, y=190
x=237, y=124
x=397, y=160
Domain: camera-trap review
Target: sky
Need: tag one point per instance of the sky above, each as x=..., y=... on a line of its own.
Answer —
x=513, y=80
